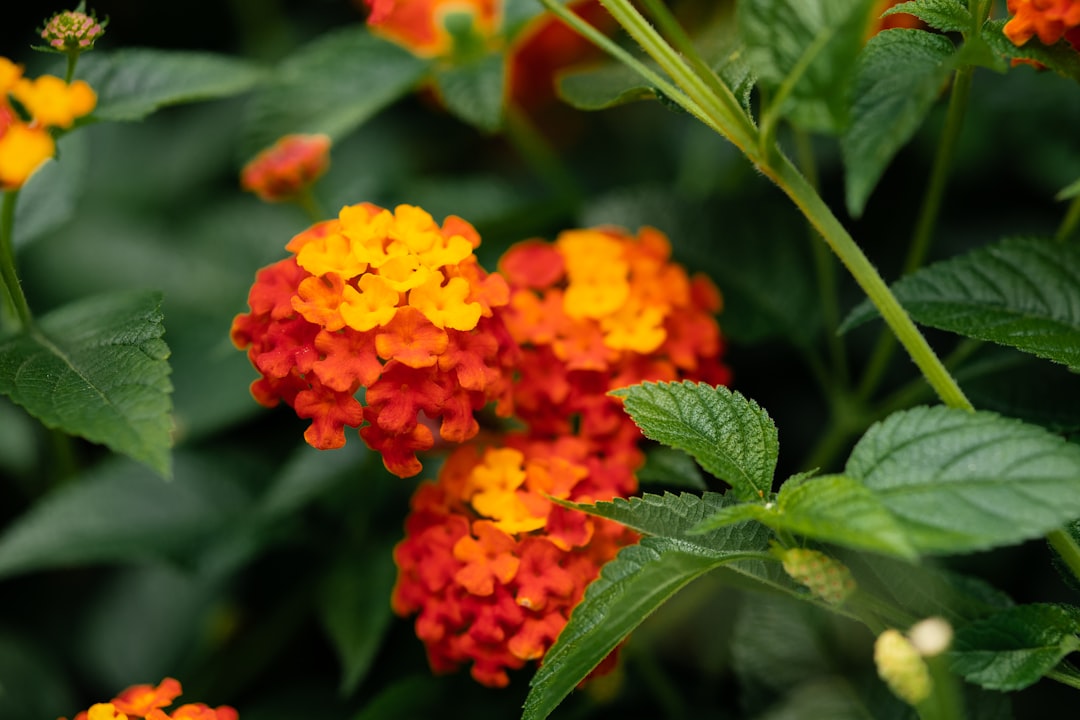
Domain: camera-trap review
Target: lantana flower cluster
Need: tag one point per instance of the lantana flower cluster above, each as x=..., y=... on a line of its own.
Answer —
x=46, y=102
x=396, y=308
x=149, y=702
x=390, y=302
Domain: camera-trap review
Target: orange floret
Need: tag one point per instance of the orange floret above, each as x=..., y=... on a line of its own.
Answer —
x=148, y=701
x=1049, y=20
x=387, y=301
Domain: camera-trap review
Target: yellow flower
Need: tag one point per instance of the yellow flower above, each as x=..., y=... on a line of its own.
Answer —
x=22, y=151
x=52, y=102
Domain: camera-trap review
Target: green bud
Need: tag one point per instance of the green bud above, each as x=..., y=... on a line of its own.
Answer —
x=902, y=668
x=827, y=578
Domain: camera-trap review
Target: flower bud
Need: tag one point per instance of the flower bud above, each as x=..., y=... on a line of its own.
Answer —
x=902, y=668
x=73, y=31
x=827, y=578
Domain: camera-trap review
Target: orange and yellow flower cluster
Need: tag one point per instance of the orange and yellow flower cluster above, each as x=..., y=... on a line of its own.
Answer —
x=396, y=305
x=390, y=302
x=148, y=701
x=490, y=565
x=601, y=309
x=50, y=103
x=1049, y=20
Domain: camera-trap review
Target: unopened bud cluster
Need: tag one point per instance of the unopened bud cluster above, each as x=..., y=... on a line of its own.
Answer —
x=73, y=31
x=901, y=659
x=828, y=579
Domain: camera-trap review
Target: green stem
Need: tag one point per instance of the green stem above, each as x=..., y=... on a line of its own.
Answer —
x=824, y=266
x=72, y=61
x=945, y=701
x=1067, y=549
x=1070, y=221
x=606, y=44
x=310, y=204
x=728, y=119
x=928, y=216
x=1065, y=678
x=8, y=274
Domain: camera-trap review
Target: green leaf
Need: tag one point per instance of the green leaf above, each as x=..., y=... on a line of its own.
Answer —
x=808, y=48
x=945, y=15
x=1060, y=57
x=49, y=197
x=120, y=511
x=331, y=86
x=309, y=474
x=959, y=481
x=633, y=585
x=1069, y=191
x=354, y=610
x=603, y=87
x=1024, y=293
x=889, y=106
x=33, y=683
x=667, y=515
x=474, y=91
x=674, y=468
x=1015, y=648
x=97, y=368
x=730, y=436
x=833, y=508
x=133, y=83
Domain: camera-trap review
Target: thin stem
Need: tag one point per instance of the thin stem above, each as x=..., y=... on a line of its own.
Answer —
x=1065, y=678
x=310, y=204
x=824, y=267
x=928, y=216
x=1070, y=221
x=725, y=113
x=1067, y=549
x=868, y=278
x=605, y=43
x=72, y=61
x=945, y=701
x=8, y=274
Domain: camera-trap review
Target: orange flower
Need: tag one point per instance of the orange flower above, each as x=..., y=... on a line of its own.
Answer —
x=387, y=301
x=286, y=168
x=600, y=309
x=486, y=565
x=421, y=25
x=50, y=102
x=1050, y=20
x=148, y=701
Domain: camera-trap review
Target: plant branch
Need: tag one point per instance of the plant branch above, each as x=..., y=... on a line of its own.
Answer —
x=8, y=274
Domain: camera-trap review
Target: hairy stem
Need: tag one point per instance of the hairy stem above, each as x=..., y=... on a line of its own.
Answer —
x=8, y=275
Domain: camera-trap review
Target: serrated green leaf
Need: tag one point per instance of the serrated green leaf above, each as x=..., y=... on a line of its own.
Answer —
x=331, y=86
x=1061, y=57
x=833, y=508
x=633, y=585
x=1024, y=293
x=671, y=467
x=134, y=82
x=120, y=511
x=1015, y=648
x=48, y=199
x=889, y=106
x=808, y=46
x=474, y=91
x=355, y=613
x=945, y=15
x=959, y=481
x=668, y=515
x=97, y=368
x=730, y=436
